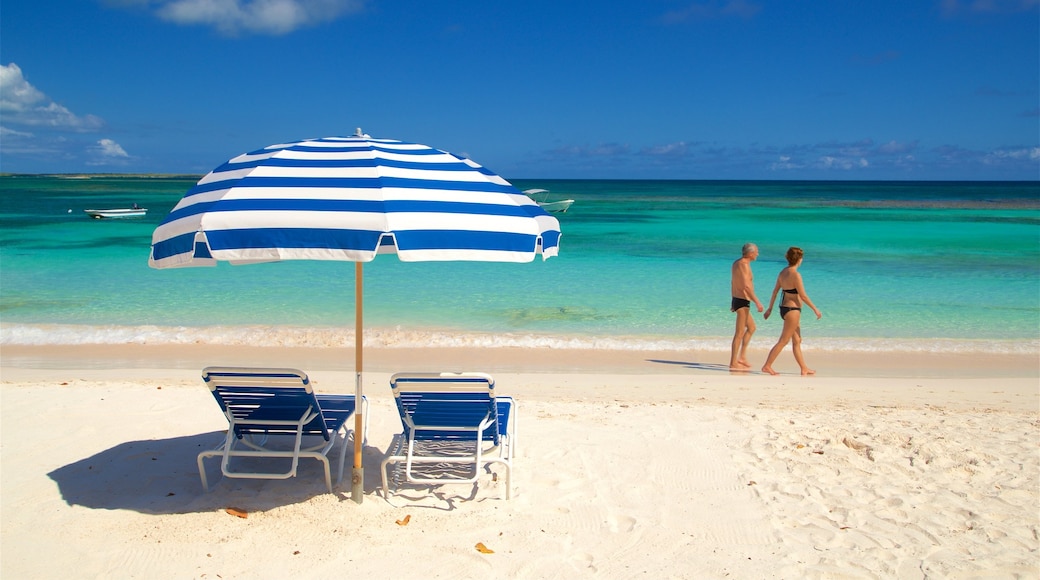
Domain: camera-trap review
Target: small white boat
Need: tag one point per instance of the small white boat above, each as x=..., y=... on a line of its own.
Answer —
x=549, y=206
x=130, y=212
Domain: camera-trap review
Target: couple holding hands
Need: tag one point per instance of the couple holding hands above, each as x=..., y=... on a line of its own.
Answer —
x=789, y=285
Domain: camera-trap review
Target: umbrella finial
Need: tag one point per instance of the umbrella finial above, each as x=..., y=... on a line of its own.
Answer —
x=359, y=133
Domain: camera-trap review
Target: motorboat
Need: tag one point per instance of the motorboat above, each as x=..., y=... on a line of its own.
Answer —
x=559, y=206
x=130, y=212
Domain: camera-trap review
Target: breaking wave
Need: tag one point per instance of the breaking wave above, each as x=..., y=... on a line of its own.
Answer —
x=398, y=337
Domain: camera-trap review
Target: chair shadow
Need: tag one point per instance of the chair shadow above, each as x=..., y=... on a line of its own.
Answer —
x=160, y=476
x=447, y=494
x=697, y=365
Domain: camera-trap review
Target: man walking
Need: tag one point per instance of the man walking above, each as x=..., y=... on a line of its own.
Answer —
x=743, y=290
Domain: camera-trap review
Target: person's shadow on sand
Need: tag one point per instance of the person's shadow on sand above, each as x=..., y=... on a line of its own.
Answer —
x=693, y=365
x=160, y=476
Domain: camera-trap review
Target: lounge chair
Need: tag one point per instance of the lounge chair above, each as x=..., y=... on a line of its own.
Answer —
x=273, y=414
x=453, y=424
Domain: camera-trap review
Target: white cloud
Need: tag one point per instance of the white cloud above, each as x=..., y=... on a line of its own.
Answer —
x=846, y=163
x=15, y=143
x=888, y=159
x=897, y=148
x=784, y=163
x=110, y=148
x=671, y=149
x=601, y=150
x=106, y=152
x=42, y=127
x=7, y=133
x=23, y=104
x=15, y=91
x=274, y=17
x=1031, y=154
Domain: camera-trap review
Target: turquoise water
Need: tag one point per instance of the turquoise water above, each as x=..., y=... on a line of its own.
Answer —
x=643, y=264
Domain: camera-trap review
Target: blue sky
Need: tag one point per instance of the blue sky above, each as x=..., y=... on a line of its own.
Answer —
x=654, y=89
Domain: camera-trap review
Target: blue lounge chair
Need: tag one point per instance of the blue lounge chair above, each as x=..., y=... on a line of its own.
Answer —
x=454, y=424
x=274, y=414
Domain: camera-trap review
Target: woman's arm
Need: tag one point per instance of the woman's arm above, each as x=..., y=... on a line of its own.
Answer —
x=772, y=298
x=805, y=297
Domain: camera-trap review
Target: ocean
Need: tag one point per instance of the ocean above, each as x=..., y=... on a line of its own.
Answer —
x=893, y=266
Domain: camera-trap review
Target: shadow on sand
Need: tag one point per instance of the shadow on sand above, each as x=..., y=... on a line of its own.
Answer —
x=160, y=476
x=695, y=365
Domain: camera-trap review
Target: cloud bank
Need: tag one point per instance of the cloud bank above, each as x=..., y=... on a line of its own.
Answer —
x=234, y=17
x=23, y=104
x=36, y=126
x=857, y=160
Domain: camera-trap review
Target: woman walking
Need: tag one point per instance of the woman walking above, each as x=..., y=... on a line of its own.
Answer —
x=789, y=283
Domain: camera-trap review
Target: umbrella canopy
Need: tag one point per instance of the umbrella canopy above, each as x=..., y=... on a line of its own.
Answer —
x=349, y=199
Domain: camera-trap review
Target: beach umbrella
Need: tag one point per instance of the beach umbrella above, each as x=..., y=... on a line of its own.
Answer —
x=349, y=199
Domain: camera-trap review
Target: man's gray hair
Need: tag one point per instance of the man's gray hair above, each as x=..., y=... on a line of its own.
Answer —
x=748, y=248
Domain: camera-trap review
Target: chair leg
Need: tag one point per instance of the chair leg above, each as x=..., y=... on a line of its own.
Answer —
x=328, y=472
x=215, y=452
x=392, y=456
x=342, y=459
x=382, y=471
x=202, y=471
x=509, y=481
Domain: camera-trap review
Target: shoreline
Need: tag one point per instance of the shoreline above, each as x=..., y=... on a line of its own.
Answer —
x=397, y=337
x=1006, y=383
x=518, y=359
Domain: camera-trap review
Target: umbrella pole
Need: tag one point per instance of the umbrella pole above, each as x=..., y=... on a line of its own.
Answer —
x=357, y=475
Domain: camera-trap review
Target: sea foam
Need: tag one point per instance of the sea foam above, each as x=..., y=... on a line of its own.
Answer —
x=398, y=337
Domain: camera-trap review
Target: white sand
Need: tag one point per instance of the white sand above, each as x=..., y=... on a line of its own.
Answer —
x=640, y=469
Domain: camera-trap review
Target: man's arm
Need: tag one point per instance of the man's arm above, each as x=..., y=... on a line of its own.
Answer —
x=749, y=284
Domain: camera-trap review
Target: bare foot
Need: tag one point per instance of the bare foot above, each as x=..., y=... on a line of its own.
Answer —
x=744, y=363
x=807, y=371
x=738, y=369
x=769, y=370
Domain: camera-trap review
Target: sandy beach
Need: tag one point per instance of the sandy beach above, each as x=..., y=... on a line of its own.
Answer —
x=630, y=464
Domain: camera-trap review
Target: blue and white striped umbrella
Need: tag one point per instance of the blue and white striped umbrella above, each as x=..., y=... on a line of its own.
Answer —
x=346, y=199
x=350, y=198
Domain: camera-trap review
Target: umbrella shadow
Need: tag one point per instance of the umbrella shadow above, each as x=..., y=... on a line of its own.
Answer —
x=160, y=476
x=695, y=365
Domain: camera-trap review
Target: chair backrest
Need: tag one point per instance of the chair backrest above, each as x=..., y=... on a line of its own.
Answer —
x=446, y=405
x=254, y=396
